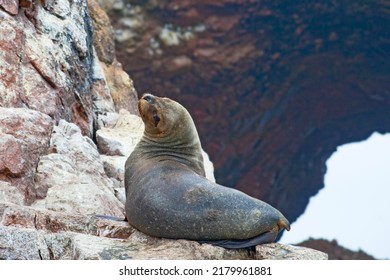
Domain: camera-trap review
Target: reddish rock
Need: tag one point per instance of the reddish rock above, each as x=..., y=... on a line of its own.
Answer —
x=48, y=73
x=10, y=47
x=36, y=71
x=28, y=233
x=26, y=3
x=38, y=93
x=25, y=137
x=10, y=6
x=121, y=87
x=103, y=35
x=11, y=159
x=334, y=250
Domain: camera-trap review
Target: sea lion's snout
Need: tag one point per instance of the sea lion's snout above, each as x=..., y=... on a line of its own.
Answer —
x=146, y=103
x=156, y=119
x=149, y=107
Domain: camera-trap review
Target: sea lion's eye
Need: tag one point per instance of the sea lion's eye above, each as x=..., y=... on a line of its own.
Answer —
x=156, y=120
x=147, y=98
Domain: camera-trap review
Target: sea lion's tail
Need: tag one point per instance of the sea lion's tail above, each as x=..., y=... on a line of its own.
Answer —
x=283, y=223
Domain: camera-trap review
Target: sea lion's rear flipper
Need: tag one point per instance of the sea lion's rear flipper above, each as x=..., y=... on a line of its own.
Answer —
x=267, y=237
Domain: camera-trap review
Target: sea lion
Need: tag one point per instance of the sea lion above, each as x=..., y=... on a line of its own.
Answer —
x=167, y=194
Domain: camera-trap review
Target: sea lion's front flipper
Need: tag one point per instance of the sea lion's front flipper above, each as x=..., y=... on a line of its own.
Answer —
x=266, y=237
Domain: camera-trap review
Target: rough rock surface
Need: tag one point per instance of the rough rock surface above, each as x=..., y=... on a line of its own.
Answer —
x=274, y=86
x=36, y=72
x=24, y=137
x=49, y=71
x=276, y=251
x=121, y=87
x=72, y=177
x=28, y=233
x=10, y=6
x=49, y=63
x=121, y=138
x=10, y=193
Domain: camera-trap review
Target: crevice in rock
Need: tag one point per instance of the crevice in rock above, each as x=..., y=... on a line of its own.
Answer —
x=4, y=10
x=40, y=254
x=20, y=53
x=35, y=221
x=94, y=128
x=51, y=254
x=8, y=175
x=49, y=249
x=43, y=75
x=31, y=13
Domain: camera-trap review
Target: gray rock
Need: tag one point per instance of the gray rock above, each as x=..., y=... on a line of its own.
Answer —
x=22, y=244
x=9, y=193
x=275, y=251
x=72, y=178
x=121, y=139
x=29, y=233
x=114, y=166
x=67, y=245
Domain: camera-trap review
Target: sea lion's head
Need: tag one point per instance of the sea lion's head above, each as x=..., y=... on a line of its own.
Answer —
x=164, y=117
x=170, y=131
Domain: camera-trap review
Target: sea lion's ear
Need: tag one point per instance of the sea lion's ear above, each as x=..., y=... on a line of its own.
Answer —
x=156, y=119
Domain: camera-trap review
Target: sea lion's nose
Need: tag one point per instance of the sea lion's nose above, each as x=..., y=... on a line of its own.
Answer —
x=147, y=97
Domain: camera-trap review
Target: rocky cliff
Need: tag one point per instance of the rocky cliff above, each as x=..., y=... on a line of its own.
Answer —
x=51, y=75
x=67, y=124
x=334, y=250
x=274, y=86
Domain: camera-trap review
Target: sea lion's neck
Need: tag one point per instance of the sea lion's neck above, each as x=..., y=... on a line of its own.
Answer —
x=186, y=151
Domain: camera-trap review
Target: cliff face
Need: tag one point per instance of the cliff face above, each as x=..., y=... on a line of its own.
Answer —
x=274, y=86
x=46, y=73
x=36, y=46
x=49, y=72
x=334, y=250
